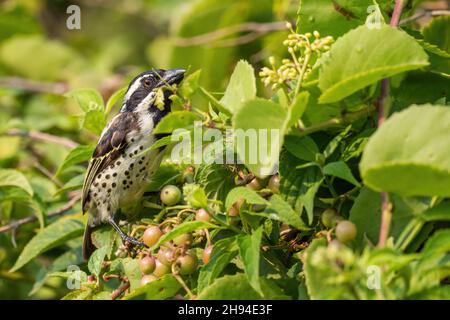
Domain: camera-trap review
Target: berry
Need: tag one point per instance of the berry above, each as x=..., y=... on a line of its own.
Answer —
x=147, y=278
x=165, y=256
x=170, y=195
x=329, y=218
x=183, y=239
x=147, y=264
x=202, y=215
x=274, y=184
x=207, y=254
x=345, y=231
x=160, y=269
x=255, y=184
x=187, y=263
x=151, y=235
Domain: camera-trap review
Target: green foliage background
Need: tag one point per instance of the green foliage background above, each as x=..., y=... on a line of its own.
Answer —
x=322, y=163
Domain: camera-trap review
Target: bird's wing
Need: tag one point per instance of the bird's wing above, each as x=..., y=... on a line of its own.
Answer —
x=110, y=146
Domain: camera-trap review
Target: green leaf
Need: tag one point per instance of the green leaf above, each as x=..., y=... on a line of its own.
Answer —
x=237, y=287
x=185, y=227
x=255, y=117
x=241, y=88
x=94, y=120
x=96, y=260
x=88, y=99
x=214, y=102
x=440, y=212
x=299, y=189
x=366, y=215
x=363, y=57
x=73, y=184
x=177, y=120
x=132, y=271
x=249, y=249
x=13, y=178
x=332, y=18
x=303, y=148
x=437, y=31
x=160, y=289
x=247, y=194
x=190, y=84
x=297, y=108
x=341, y=170
x=196, y=197
x=54, y=235
x=223, y=252
x=116, y=96
x=75, y=156
x=282, y=211
x=410, y=146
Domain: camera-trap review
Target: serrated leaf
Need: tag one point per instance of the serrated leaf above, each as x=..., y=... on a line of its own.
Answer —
x=280, y=210
x=247, y=194
x=96, y=260
x=249, y=251
x=259, y=127
x=297, y=108
x=190, y=84
x=132, y=271
x=214, y=102
x=440, y=212
x=55, y=234
x=160, y=289
x=299, y=189
x=94, y=120
x=412, y=145
x=177, y=120
x=13, y=178
x=437, y=33
x=185, y=227
x=75, y=156
x=241, y=88
x=116, y=96
x=237, y=287
x=223, y=252
x=303, y=148
x=341, y=170
x=362, y=57
x=88, y=99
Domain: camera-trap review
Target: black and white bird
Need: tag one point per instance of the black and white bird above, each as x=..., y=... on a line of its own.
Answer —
x=119, y=172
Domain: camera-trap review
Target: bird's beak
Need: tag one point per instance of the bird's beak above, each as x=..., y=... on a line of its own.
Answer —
x=173, y=76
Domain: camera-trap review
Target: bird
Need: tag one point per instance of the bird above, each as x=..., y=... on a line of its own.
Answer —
x=119, y=170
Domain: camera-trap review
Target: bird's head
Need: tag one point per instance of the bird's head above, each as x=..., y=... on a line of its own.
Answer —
x=144, y=90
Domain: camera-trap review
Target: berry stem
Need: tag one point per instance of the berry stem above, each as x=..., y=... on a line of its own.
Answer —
x=383, y=111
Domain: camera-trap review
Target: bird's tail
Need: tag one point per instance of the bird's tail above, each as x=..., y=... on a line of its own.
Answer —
x=88, y=246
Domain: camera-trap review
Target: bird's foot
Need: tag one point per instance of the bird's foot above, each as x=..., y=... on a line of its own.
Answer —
x=128, y=239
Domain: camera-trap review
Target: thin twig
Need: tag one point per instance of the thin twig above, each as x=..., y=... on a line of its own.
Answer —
x=383, y=111
x=118, y=292
x=33, y=85
x=426, y=13
x=69, y=205
x=42, y=136
x=252, y=27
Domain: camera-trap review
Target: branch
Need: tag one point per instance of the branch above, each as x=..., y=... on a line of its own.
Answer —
x=33, y=85
x=426, y=13
x=69, y=205
x=382, y=107
x=252, y=27
x=118, y=292
x=41, y=136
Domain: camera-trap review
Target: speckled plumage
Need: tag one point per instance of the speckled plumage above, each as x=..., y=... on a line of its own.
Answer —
x=119, y=170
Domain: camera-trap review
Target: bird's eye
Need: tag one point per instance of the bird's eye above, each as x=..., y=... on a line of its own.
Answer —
x=147, y=83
